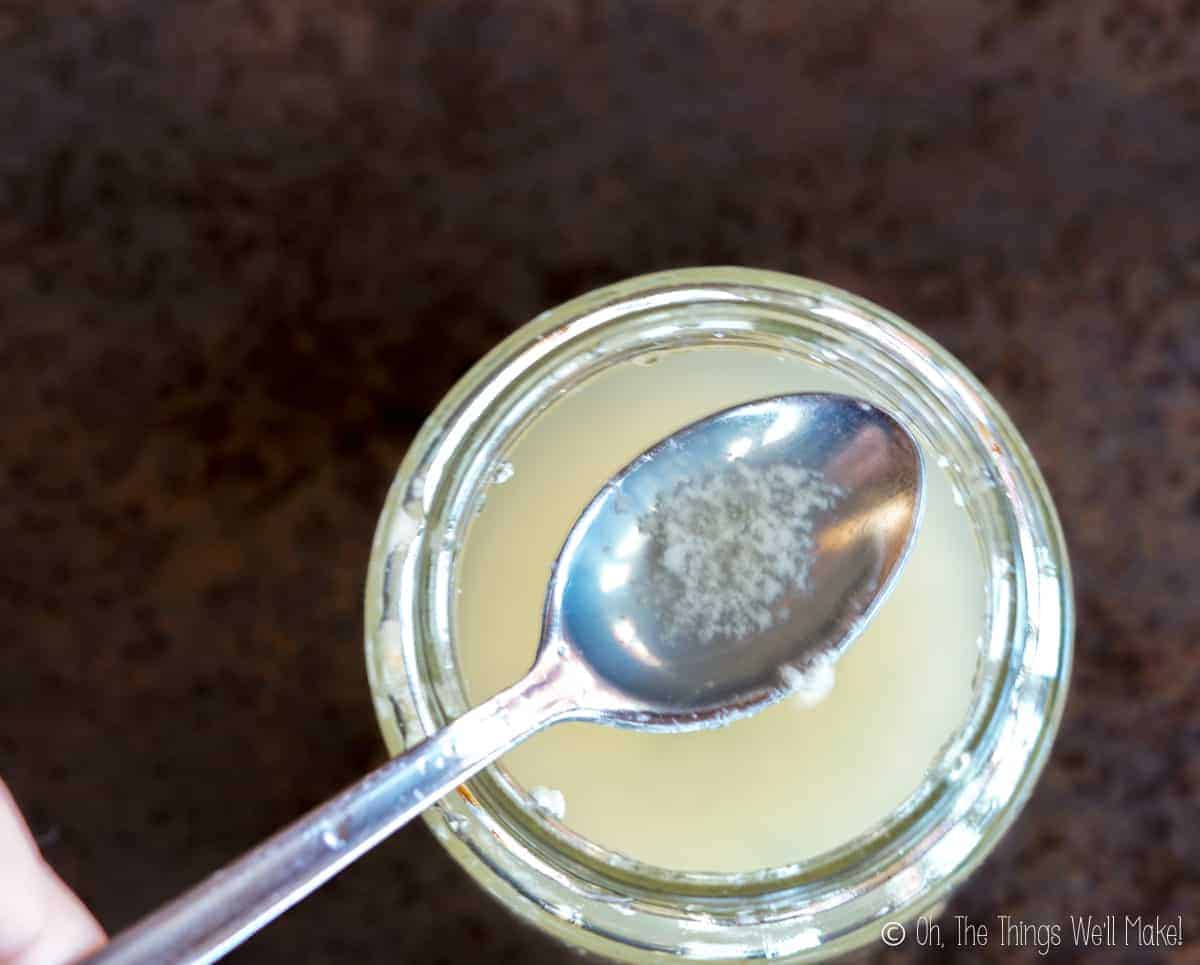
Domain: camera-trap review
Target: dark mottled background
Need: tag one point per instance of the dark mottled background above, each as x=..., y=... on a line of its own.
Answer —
x=245, y=247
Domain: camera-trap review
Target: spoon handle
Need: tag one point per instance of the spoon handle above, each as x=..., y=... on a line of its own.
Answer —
x=230, y=905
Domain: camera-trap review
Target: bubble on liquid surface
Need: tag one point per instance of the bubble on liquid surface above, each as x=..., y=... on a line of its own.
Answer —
x=651, y=359
x=502, y=473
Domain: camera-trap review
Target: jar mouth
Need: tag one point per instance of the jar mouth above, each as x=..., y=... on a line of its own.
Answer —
x=942, y=831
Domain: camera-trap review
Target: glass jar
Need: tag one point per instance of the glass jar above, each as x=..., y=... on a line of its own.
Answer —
x=607, y=904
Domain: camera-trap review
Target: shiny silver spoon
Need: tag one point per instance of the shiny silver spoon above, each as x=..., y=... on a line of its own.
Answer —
x=695, y=588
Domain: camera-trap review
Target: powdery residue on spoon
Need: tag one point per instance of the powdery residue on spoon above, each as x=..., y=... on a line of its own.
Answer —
x=726, y=548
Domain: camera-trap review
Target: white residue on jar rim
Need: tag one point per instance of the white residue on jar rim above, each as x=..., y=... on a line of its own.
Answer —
x=390, y=639
x=405, y=528
x=550, y=801
x=416, y=487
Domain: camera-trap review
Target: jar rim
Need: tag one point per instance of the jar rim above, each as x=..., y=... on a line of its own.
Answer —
x=1015, y=724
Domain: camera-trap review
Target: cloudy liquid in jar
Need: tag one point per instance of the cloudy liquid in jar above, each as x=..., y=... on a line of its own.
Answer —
x=798, y=779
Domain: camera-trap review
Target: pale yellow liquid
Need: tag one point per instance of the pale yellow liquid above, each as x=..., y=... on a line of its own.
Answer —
x=774, y=789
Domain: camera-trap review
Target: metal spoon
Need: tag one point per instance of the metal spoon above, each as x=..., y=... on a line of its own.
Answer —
x=611, y=652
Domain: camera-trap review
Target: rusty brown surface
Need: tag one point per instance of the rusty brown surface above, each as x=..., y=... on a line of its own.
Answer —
x=245, y=246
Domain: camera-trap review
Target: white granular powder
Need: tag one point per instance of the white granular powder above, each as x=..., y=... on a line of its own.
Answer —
x=810, y=686
x=549, y=801
x=406, y=530
x=728, y=547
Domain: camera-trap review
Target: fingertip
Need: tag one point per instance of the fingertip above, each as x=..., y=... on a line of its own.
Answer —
x=42, y=922
x=69, y=930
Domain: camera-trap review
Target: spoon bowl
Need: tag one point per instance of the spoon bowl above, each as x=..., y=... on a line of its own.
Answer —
x=834, y=480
